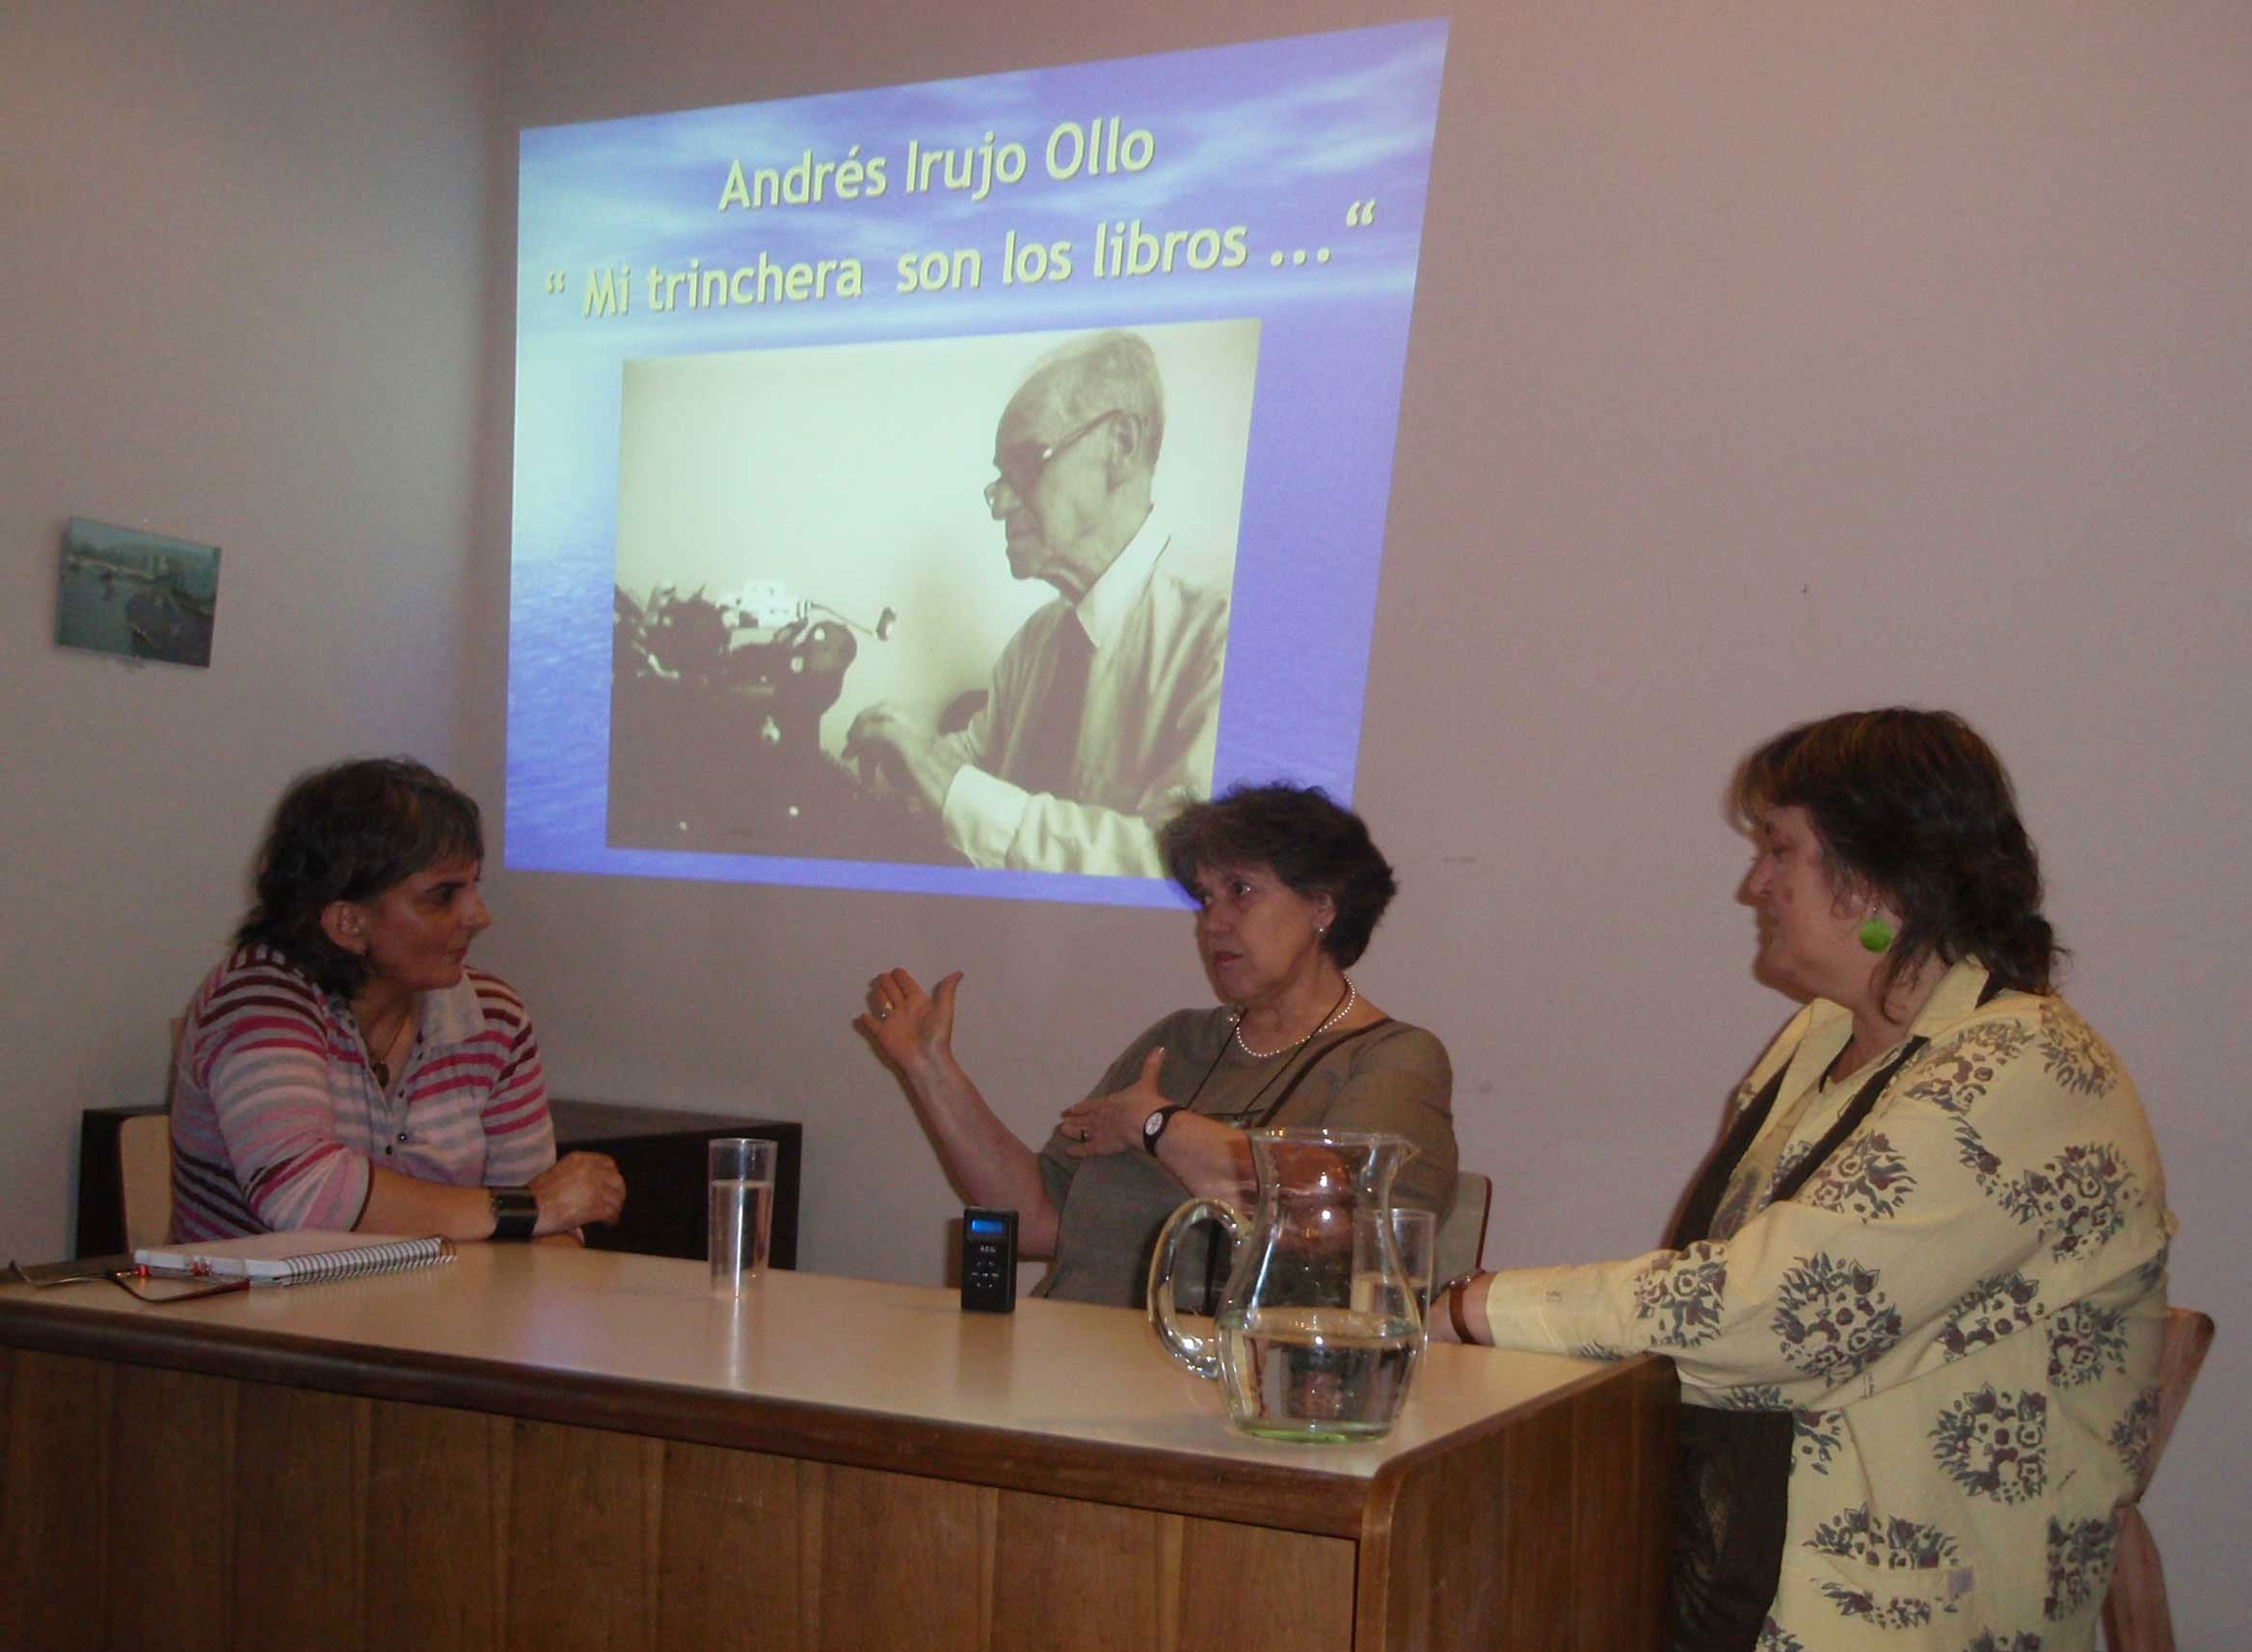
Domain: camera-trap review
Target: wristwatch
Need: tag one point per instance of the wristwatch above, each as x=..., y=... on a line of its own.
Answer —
x=1154, y=1125
x=515, y=1213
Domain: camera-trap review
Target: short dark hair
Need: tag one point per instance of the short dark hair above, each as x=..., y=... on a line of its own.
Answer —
x=1915, y=806
x=1312, y=844
x=349, y=832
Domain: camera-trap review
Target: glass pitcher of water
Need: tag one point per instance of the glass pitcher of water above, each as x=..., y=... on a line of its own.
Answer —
x=1317, y=1332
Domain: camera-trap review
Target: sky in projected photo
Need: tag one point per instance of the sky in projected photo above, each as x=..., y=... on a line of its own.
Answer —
x=1253, y=212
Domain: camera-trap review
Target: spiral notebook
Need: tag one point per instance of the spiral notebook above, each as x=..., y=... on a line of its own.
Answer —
x=300, y=1258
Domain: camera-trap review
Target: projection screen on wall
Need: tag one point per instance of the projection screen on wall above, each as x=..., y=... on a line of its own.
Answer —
x=974, y=469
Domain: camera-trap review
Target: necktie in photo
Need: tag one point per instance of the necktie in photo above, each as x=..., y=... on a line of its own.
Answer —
x=1052, y=730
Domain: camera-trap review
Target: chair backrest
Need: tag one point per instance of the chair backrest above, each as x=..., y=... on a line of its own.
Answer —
x=1460, y=1247
x=145, y=1175
x=2180, y=1353
x=2137, y=1616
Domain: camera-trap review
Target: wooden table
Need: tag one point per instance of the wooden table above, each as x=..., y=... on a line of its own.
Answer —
x=551, y=1449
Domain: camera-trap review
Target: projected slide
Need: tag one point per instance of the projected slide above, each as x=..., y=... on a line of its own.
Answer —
x=934, y=486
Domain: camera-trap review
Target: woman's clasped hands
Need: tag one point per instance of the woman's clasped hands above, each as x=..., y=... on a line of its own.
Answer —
x=578, y=1188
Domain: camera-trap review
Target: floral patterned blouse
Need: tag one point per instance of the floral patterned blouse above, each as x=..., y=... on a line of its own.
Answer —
x=1961, y=1311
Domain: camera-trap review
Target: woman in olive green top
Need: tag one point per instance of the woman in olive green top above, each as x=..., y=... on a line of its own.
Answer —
x=1288, y=888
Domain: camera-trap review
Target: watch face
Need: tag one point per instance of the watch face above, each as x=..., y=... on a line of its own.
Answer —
x=1151, y=1125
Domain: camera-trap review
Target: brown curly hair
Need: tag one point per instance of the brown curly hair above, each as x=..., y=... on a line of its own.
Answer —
x=1311, y=843
x=349, y=832
x=1915, y=806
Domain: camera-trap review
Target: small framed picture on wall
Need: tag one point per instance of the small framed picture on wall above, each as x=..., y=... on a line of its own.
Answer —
x=144, y=596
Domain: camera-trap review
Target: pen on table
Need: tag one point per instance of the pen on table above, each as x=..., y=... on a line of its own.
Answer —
x=213, y=1286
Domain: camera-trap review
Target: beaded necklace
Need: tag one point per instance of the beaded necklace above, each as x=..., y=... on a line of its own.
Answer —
x=1343, y=1009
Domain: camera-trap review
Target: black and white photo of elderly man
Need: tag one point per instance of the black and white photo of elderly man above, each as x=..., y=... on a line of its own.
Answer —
x=1102, y=711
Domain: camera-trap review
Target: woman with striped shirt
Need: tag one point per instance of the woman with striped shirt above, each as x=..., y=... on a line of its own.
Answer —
x=344, y=1067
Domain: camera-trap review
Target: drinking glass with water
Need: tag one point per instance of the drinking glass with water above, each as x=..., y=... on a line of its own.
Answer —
x=741, y=1210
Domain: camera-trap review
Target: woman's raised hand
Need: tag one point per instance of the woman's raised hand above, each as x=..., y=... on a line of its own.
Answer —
x=909, y=1026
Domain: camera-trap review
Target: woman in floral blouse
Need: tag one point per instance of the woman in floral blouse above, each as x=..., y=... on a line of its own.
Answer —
x=1915, y=1300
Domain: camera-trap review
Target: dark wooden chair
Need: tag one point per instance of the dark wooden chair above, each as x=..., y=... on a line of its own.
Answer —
x=2135, y=1615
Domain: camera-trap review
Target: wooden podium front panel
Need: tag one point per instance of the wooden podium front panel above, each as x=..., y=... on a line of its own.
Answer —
x=1553, y=1532
x=183, y=1565
x=542, y=1449
x=272, y=1521
x=729, y=1570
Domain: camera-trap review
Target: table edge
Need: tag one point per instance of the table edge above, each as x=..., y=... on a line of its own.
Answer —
x=1177, y=1482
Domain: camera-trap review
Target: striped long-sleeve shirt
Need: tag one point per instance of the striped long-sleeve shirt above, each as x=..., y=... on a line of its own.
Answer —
x=277, y=1117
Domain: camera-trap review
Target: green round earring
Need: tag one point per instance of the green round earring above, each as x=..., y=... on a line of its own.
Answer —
x=1875, y=934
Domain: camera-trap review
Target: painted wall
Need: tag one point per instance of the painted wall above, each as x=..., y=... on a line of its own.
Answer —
x=244, y=261
x=1769, y=360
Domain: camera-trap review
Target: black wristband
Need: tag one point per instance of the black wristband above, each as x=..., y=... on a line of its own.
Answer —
x=515, y=1213
x=1154, y=1127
